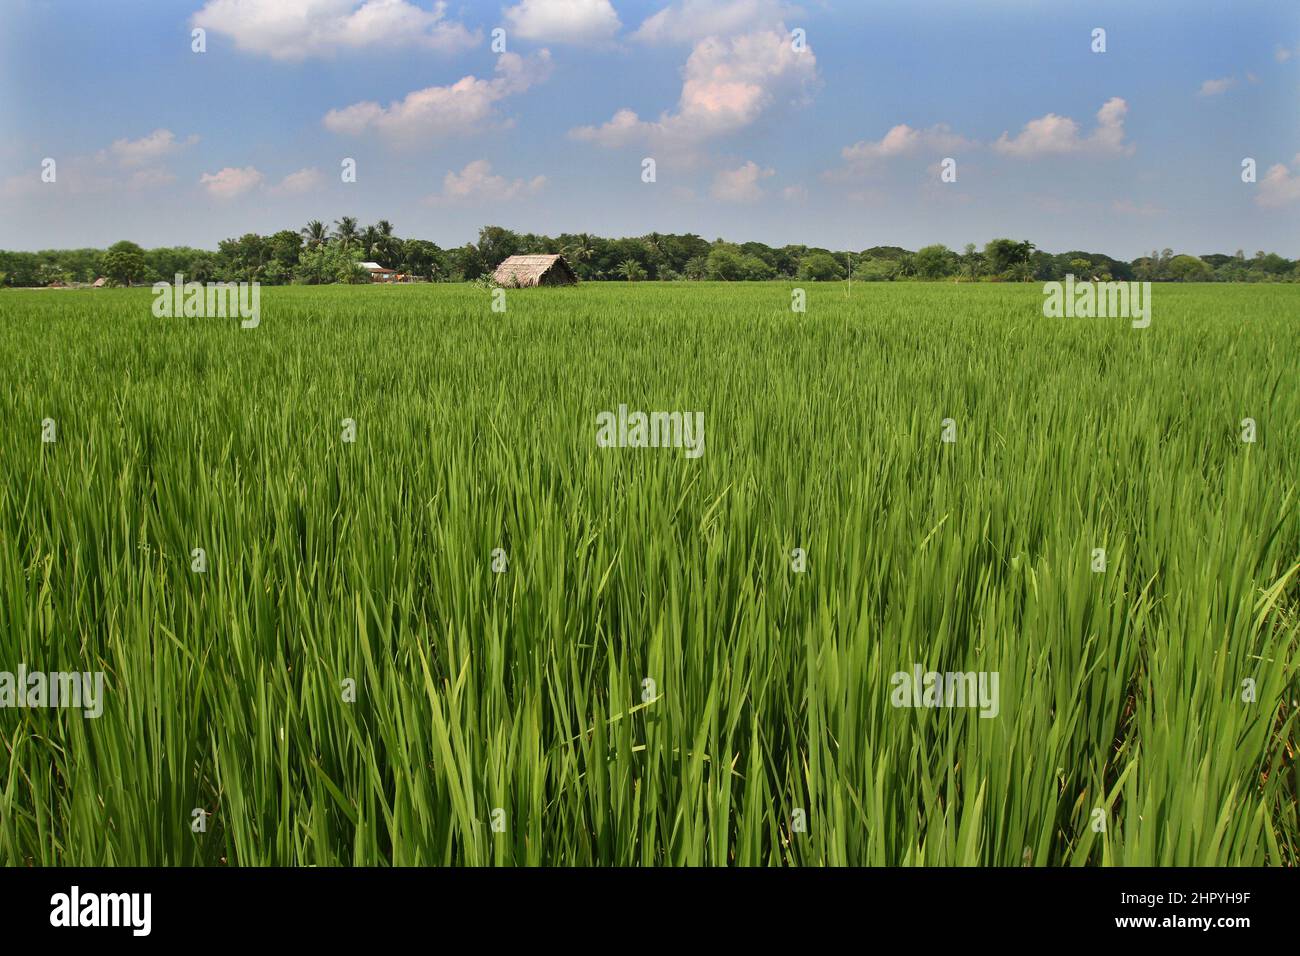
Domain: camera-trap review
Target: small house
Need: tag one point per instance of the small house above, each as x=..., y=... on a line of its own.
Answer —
x=518, y=272
x=378, y=273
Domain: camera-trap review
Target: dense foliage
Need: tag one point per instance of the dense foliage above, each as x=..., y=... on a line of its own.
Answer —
x=316, y=255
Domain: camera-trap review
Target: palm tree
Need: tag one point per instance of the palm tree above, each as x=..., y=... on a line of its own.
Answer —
x=631, y=270
x=654, y=243
x=581, y=249
x=345, y=231
x=369, y=240
x=315, y=233
x=388, y=243
x=580, y=252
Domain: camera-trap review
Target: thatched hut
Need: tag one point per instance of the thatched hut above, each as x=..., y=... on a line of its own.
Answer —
x=520, y=272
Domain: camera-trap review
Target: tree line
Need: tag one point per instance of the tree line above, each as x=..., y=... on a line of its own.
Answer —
x=319, y=254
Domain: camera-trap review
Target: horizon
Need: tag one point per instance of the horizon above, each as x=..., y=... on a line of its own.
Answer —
x=763, y=119
x=472, y=239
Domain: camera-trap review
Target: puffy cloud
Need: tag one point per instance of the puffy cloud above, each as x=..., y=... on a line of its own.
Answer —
x=128, y=164
x=477, y=182
x=1215, y=87
x=689, y=20
x=1282, y=54
x=1045, y=136
x=903, y=140
x=296, y=29
x=465, y=106
x=153, y=148
x=728, y=84
x=740, y=185
x=1108, y=137
x=564, y=21
x=302, y=181
x=1280, y=186
x=796, y=193
x=231, y=182
x=1054, y=135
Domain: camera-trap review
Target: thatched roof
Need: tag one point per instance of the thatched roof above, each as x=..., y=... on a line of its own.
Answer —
x=521, y=271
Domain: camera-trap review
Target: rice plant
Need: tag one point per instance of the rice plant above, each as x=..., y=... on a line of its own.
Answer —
x=365, y=589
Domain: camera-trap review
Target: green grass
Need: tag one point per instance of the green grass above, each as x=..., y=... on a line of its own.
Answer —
x=523, y=691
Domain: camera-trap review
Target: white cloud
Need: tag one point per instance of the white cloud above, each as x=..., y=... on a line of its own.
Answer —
x=303, y=181
x=740, y=185
x=123, y=165
x=157, y=146
x=1054, y=135
x=903, y=140
x=231, y=182
x=689, y=20
x=477, y=182
x=1108, y=137
x=727, y=86
x=1280, y=186
x=464, y=107
x=795, y=193
x=564, y=21
x=1282, y=54
x=1046, y=136
x=1215, y=87
x=623, y=128
x=296, y=29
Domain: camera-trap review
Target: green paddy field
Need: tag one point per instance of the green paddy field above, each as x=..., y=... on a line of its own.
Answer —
x=472, y=636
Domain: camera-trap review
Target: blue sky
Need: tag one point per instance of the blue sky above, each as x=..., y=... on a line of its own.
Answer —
x=838, y=144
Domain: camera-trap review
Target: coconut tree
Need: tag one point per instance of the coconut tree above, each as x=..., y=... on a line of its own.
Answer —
x=345, y=232
x=631, y=270
x=657, y=256
x=580, y=252
x=581, y=249
x=315, y=234
x=389, y=246
x=369, y=242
